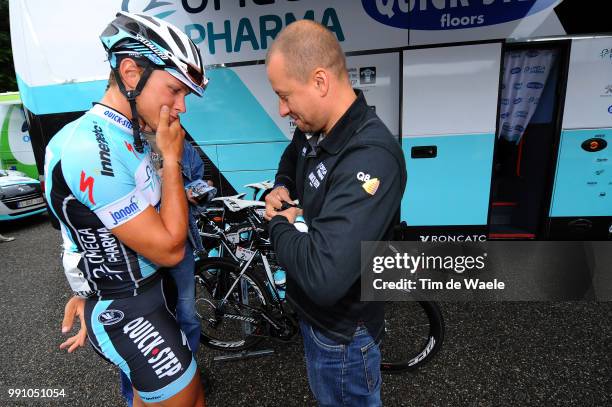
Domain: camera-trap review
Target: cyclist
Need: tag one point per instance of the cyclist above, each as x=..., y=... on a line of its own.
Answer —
x=120, y=223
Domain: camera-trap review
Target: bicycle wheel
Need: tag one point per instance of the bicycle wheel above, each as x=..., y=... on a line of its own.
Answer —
x=237, y=325
x=414, y=332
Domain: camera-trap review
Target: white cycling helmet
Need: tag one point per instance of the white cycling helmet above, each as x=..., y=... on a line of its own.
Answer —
x=165, y=46
x=152, y=44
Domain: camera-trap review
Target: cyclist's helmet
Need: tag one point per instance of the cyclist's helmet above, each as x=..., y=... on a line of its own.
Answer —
x=163, y=45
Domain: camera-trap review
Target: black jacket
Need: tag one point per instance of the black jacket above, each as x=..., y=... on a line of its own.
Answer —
x=350, y=187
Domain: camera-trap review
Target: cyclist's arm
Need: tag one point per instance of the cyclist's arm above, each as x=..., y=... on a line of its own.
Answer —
x=325, y=262
x=160, y=237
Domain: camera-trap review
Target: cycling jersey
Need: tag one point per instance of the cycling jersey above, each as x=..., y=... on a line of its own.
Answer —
x=96, y=181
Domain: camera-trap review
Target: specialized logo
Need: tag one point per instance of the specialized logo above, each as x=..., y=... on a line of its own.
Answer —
x=518, y=85
x=130, y=147
x=105, y=158
x=371, y=186
x=521, y=113
x=149, y=341
x=162, y=54
x=504, y=115
x=125, y=213
x=87, y=183
x=516, y=70
x=110, y=316
x=517, y=101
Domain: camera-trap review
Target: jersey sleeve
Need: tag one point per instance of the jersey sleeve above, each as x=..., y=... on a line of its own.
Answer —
x=100, y=178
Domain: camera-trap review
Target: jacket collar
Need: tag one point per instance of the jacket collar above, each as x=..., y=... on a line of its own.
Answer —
x=344, y=129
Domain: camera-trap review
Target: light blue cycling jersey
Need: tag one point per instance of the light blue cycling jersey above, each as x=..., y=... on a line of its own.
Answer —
x=96, y=181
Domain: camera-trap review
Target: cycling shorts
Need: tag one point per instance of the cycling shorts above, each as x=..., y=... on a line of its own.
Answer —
x=140, y=335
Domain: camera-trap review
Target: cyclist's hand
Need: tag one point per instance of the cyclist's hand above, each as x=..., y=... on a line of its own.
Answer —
x=169, y=136
x=74, y=307
x=274, y=201
x=291, y=213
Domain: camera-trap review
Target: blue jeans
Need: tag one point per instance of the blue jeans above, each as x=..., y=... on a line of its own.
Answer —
x=342, y=375
x=183, y=276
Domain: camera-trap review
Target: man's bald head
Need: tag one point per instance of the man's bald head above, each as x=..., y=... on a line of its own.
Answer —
x=306, y=45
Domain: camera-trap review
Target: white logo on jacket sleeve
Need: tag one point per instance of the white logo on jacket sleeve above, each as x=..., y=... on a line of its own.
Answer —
x=314, y=182
x=321, y=171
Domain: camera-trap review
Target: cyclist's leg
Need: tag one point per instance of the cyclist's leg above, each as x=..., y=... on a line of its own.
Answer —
x=191, y=396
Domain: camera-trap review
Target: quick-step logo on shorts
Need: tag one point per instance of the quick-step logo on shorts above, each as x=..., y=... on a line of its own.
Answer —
x=148, y=340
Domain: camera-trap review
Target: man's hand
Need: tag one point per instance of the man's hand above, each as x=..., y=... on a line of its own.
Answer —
x=290, y=214
x=274, y=201
x=169, y=138
x=74, y=307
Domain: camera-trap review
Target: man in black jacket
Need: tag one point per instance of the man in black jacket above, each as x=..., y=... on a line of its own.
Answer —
x=348, y=173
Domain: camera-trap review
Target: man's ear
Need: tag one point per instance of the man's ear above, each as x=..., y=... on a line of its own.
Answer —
x=130, y=73
x=320, y=78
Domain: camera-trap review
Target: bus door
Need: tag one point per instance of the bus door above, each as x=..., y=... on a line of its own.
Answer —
x=581, y=207
x=449, y=111
x=529, y=128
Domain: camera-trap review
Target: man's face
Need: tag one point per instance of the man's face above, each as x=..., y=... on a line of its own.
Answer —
x=300, y=101
x=161, y=89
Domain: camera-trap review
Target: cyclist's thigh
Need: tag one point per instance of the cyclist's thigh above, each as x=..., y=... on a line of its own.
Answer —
x=140, y=335
x=192, y=395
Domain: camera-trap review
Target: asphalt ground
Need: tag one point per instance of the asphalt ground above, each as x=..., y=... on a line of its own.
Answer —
x=495, y=354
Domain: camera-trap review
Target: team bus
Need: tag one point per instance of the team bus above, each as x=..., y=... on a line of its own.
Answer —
x=503, y=108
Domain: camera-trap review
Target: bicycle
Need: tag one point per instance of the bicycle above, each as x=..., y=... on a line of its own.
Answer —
x=240, y=302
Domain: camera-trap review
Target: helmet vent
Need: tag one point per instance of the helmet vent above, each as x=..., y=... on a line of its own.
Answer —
x=178, y=41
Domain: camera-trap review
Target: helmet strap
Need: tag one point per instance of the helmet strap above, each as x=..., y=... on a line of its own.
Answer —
x=131, y=96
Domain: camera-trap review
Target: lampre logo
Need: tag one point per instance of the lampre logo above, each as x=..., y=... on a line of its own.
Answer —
x=87, y=183
x=149, y=341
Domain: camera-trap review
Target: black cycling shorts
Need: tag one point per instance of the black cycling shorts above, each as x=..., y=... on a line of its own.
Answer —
x=140, y=335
